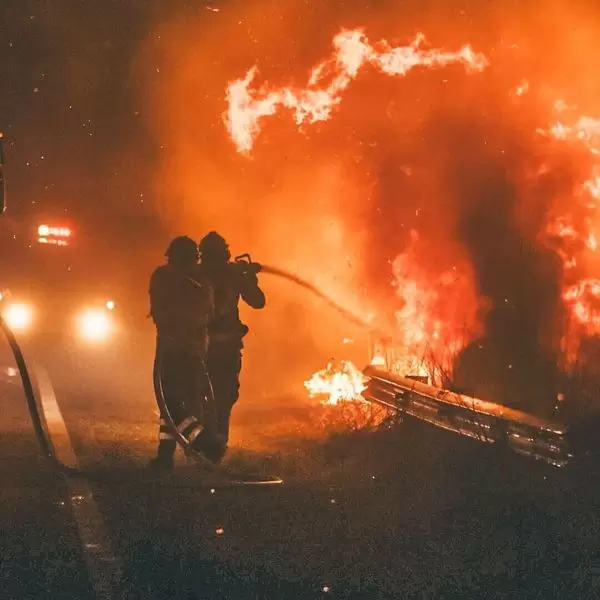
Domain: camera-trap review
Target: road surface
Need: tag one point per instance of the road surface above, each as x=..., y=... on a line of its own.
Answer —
x=41, y=556
x=404, y=513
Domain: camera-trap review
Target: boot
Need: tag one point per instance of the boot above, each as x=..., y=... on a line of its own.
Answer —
x=165, y=458
x=212, y=446
x=162, y=463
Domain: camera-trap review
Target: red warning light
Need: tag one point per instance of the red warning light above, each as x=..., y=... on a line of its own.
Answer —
x=45, y=231
x=52, y=241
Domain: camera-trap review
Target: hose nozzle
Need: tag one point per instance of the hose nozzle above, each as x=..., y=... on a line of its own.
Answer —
x=246, y=265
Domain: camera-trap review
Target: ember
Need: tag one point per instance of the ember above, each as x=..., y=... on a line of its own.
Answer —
x=343, y=383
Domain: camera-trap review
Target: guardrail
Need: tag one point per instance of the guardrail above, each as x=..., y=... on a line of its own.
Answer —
x=484, y=421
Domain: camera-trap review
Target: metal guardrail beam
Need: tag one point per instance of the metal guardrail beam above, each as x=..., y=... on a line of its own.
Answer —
x=484, y=421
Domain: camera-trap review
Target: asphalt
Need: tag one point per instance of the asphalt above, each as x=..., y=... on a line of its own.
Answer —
x=39, y=547
x=406, y=512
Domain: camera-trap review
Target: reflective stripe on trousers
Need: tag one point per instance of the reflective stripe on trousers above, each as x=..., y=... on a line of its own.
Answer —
x=164, y=431
x=190, y=428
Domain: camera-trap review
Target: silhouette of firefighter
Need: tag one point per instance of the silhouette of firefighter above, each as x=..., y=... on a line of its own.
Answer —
x=181, y=306
x=230, y=281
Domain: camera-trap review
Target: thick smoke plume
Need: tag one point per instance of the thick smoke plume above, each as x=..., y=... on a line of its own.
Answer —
x=443, y=166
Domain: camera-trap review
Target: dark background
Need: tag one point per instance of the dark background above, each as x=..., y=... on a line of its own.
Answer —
x=78, y=151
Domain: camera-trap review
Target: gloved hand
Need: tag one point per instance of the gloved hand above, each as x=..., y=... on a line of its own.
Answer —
x=250, y=278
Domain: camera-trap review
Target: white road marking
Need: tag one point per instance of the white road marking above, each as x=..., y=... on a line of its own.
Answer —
x=104, y=568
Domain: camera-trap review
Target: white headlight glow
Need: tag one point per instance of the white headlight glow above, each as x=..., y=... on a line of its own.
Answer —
x=95, y=325
x=18, y=317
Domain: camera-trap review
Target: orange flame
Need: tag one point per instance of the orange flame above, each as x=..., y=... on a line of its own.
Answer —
x=584, y=302
x=438, y=315
x=352, y=50
x=581, y=295
x=340, y=384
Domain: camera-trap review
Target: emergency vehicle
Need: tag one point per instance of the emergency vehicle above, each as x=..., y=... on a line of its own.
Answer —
x=49, y=287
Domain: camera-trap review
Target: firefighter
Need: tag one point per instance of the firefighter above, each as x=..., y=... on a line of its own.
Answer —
x=181, y=305
x=230, y=281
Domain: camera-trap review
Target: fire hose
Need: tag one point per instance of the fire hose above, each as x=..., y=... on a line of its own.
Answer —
x=245, y=263
x=38, y=420
x=36, y=417
x=164, y=409
x=45, y=442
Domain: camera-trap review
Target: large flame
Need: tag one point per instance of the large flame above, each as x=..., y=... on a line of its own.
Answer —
x=427, y=319
x=436, y=318
x=574, y=227
x=327, y=81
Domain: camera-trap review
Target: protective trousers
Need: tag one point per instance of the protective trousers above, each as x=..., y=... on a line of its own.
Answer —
x=224, y=362
x=182, y=378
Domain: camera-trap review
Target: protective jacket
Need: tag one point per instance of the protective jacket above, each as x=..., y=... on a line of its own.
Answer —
x=229, y=283
x=181, y=306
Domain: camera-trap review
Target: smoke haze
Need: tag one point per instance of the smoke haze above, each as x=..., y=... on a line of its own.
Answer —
x=450, y=155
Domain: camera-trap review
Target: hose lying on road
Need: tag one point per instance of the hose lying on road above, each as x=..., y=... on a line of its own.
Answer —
x=37, y=419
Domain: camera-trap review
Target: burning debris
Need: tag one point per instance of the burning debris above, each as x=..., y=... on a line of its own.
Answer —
x=328, y=80
x=343, y=407
x=337, y=384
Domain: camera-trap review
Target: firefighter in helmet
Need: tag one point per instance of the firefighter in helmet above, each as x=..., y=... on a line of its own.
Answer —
x=181, y=306
x=230, y=281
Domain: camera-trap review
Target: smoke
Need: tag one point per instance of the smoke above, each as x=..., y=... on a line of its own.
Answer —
x=449, y=155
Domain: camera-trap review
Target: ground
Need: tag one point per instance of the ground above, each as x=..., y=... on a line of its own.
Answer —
x=402, y=512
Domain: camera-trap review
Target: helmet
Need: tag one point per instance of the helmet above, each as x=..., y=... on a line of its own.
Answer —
x=182, y=248
x=213, y=245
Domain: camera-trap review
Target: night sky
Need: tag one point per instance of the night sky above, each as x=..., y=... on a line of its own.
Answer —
x=78, y=147
x=71, y=111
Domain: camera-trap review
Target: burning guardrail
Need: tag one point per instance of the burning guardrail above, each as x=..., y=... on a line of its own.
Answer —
x=342, y=384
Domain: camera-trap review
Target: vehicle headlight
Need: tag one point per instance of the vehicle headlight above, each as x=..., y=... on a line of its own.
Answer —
x=18, y=316
x=95, y=325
